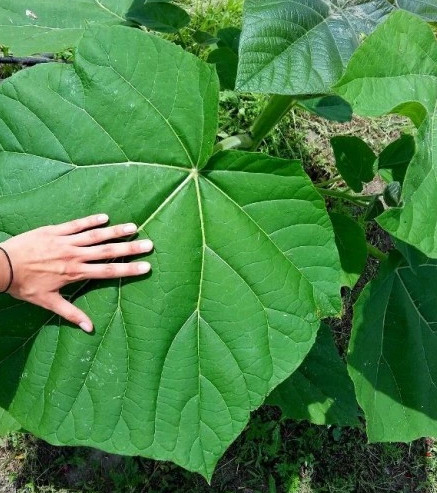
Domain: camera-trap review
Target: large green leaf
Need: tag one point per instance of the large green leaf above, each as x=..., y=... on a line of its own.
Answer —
x=302, y=46
x=404, y=81
x=427, y=9
x=7, y=423
x=321, y=390
x=392, y=358
x=244, y=266
x=35, y=26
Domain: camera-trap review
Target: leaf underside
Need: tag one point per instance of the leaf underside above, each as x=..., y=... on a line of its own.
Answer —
x=302, y=46
x=244, y=266
x=392, y=351
x=403, y=81
x=320, y=390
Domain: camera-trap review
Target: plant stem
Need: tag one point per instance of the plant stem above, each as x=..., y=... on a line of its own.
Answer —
x=328, y=182
x=277, y=107
x=243, y=141
x=24, y=60
x=376, y=252
x=360, y=200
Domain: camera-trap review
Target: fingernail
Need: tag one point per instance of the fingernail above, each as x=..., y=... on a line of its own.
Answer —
x=86, y=326
x=130, y=228
x=146, y=246
x=144, y=267
x=103, y=218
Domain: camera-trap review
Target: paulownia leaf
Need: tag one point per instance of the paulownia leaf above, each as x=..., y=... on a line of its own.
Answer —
x=394, y=160
x=7, y=423
x=404, y=81
x=225, y=57
x=161, y=16
x=352, y=247
x=244, y=266
x=34, y=26
x=332, y=108
x=302, y=46
x=321, y=390
x=392, y=352
x=427, y=9
x=354, y=160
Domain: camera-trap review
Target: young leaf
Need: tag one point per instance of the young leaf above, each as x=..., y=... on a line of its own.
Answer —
x=320, y=390
x=354, y=160
x=427, y=9
x=204, y=38
x=403, y=81
x=159, y=16
x=226, y=63
x=352, y=247
x=229, y=37
x=332, y=108
x=7, y=423
x=302, y=47
x=245, y=262
x=393, y=194
x=394, y=160
x=32, y=26
x=392, y=352
x=225, y=57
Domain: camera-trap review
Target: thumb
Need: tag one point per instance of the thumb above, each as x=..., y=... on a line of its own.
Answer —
x=60, y=306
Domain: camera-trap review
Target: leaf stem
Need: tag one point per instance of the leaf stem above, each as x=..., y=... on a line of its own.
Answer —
x=360, y=200
x=243, y=141
x=328, y=182
x=277, y=107
x=376, y=252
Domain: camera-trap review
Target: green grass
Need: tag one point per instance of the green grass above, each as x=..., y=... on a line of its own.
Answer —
x=272, y=455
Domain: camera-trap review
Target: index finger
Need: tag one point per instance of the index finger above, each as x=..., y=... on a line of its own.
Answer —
x=82, y=224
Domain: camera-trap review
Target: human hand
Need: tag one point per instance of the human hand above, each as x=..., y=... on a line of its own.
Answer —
x=46, y=259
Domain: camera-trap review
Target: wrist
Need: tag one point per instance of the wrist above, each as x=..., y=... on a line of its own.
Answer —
x=5, y=271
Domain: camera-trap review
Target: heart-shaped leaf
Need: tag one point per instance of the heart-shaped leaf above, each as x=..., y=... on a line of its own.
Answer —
x=32, y=26
x=354, y=159
x=392, y=351
x=244, y=267
x=302, y=46
x=161, y=16
x=403, y=81
x=320, y=391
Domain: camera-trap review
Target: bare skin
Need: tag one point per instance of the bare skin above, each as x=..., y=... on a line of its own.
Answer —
x=47, y=259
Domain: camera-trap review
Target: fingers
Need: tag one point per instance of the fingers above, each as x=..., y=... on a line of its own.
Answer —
x=115, y=271
x=57, y=304
x=116, y=250
x=104, y=234
x=82, y=224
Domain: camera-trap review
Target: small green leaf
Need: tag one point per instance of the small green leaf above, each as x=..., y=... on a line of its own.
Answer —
x=392, y=352
x=354, y=160
x=393, y=162
x=352, y=247
x=226, y=62
x=404, y=81
x=320, y=391
x=393, y=194
x=300, y=46
x=374, y=209
x=204, y=38
x=332, y=108
x=160, y=16
x=229, y=37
